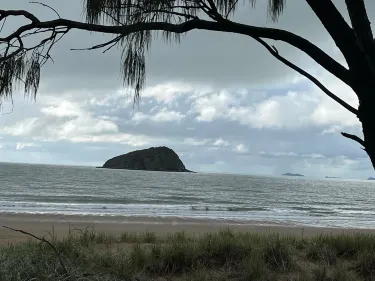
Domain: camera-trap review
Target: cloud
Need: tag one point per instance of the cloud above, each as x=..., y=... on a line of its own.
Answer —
x=166, y=93
x=163, y=115
x=63, y=109
x=221, y=142
x=222, y=111
x=195, y=142
x=22, y=145
x=21, y=128
x=240, y=148
x=293, y=110
x=213, y=106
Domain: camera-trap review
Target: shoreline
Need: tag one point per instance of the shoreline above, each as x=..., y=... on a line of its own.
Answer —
x=60, y=225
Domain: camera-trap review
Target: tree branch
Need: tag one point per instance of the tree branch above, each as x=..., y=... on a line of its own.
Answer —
x=276, y=54
x=26, y=14
x=362, y=26
x=110, y=43
x=231, y=27
x=355, y=138
x=337, y=28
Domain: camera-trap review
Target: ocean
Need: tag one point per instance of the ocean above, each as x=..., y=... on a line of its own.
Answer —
x=47, y=189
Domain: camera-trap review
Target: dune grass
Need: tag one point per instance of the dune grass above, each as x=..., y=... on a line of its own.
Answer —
x=224, y=255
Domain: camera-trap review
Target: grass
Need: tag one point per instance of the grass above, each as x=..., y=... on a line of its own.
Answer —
x=224, y=255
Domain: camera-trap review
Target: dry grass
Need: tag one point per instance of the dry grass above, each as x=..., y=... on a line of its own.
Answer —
x=217, y=256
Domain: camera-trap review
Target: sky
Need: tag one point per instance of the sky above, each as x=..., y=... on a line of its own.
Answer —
x=219, y=100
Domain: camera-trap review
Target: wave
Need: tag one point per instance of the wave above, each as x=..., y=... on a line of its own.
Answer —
x=228, y=209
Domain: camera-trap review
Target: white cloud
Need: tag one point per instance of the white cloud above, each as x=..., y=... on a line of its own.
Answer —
x=21, y=128
x=278, y=154
x=240, y=148
x=342, y=160
x=63, y=108
x=213, y=106
x=167, y=92
x=292, y=154
x=128, y=139
x=22, y=145
x=85, y=125
x=195, y=142
x=295, y=109
x=275, y=112
x=119, y=99
x=313, y=156
x=286, y=111
x=221, y=142
x=235, y=112
x=164, y=115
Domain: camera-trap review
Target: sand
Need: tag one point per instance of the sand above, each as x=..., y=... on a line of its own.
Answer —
x=61, y=225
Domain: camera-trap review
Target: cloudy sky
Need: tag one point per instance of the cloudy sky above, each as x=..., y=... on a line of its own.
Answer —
x=219, y=100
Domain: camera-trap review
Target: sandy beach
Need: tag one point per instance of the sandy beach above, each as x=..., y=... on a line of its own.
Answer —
x=61, y=225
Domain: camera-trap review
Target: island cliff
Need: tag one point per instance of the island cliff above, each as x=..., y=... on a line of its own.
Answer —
x=151, y=159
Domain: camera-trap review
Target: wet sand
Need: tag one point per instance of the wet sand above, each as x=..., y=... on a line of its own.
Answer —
x=60, y=226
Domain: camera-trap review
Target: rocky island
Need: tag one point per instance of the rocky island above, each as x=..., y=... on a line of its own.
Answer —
x=292, y=175
x=151, y=159
x=371, y=179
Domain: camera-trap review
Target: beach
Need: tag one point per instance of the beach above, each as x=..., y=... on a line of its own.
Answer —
x=60, y=226
x=122, y=225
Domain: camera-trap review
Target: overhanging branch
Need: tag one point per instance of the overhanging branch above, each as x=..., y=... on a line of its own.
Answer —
x=231, y=27
x=276, y=54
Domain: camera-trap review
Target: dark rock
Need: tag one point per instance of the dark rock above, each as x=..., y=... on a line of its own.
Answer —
x=371, y=179
x=151, y=159
x=327, y=177
x=292, y=175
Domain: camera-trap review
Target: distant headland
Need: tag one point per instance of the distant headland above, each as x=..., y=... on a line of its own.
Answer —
x=292, y=175
x=371, y=179
x=151, y=159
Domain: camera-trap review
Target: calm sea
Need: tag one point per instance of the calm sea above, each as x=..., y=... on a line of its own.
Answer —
x=44, y=189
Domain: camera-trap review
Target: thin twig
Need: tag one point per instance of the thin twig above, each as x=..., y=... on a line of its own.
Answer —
x=2, y=25
x=110, y=42
x=231, y=8
x=45, y=5
x=44, y=241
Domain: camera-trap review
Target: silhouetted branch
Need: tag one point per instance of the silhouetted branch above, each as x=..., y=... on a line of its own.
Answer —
x=276, y=54
x=355, y=138
x=26, y=14
x=109, y=43
x=231, y=27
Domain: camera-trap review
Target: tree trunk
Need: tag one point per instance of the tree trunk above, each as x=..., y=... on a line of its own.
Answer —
x=367, y=117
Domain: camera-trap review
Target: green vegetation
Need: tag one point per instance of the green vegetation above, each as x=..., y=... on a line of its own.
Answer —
x=224, y=255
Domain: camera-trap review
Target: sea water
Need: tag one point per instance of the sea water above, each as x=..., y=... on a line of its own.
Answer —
x=68, y=190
